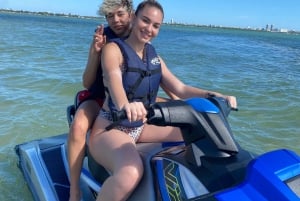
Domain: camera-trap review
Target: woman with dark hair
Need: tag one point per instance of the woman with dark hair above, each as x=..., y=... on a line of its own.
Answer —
x=132, y=73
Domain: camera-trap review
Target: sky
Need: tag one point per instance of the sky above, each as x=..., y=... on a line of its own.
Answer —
x=282, y=14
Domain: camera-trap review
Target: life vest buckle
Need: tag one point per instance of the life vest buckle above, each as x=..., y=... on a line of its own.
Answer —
x=146, y=74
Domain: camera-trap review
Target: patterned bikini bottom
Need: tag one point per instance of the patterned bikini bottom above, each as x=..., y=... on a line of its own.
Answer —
x=133, y=132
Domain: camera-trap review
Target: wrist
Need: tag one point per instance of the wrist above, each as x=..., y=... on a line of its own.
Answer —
x=210, y=94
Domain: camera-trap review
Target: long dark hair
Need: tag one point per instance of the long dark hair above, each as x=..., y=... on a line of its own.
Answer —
x=151, y=3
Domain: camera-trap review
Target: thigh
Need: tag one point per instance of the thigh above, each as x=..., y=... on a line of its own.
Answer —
x=113, y=149
x=152, y=133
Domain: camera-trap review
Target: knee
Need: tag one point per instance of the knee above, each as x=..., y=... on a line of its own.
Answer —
x=79, y=127
x=131, y=176
x=136, y=171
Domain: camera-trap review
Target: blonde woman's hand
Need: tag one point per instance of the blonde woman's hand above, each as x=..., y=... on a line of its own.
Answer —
x=99, y=39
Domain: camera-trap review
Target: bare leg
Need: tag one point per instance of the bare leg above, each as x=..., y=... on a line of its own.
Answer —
x=83, y=120
x=152, y=133
x=116, y=151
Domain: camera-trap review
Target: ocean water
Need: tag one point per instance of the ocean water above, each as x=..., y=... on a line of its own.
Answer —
x=42, y=59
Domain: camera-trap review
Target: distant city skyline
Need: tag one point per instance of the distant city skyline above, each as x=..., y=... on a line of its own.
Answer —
x=268, y=27
x=254, y=14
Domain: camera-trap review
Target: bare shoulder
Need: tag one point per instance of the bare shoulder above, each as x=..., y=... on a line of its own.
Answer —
x=111, y=54
x=111, y=46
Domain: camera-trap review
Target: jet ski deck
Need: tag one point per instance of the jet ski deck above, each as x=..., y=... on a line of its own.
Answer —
x=209, y=166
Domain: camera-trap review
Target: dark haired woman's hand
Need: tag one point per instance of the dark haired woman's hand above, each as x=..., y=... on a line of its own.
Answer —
x=135, y=111
x=232, y=101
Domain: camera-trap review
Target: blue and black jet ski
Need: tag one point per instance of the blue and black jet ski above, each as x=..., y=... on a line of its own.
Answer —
x=209, y=165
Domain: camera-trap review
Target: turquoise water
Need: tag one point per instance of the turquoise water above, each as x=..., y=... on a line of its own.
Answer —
x=42, y=60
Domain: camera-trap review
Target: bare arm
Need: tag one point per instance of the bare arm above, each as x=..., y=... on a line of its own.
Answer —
x=169, y=93
x=93, y=62
x=183, y=91
x=112, y=76
x=112, y=61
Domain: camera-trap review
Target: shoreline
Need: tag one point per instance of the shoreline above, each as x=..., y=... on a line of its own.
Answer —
x=172, y=24
x=48, y=14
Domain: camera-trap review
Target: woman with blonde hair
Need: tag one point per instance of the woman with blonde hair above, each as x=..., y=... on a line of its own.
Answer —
x=118, y=16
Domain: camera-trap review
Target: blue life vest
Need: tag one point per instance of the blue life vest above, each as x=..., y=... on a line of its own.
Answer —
x=141, y=77
x=97, y=89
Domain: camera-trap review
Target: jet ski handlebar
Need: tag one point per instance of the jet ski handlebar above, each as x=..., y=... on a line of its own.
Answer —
x=203, y=122
x=160, y=110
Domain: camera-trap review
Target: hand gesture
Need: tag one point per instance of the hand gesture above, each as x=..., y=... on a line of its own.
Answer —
x=99, y=39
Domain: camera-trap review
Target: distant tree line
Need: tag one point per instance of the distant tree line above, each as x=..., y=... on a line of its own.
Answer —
x=46, y=13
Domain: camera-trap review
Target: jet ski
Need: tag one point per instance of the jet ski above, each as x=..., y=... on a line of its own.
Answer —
x=209, y=165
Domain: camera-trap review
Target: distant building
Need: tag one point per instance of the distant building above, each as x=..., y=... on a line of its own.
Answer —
x=283, y=30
